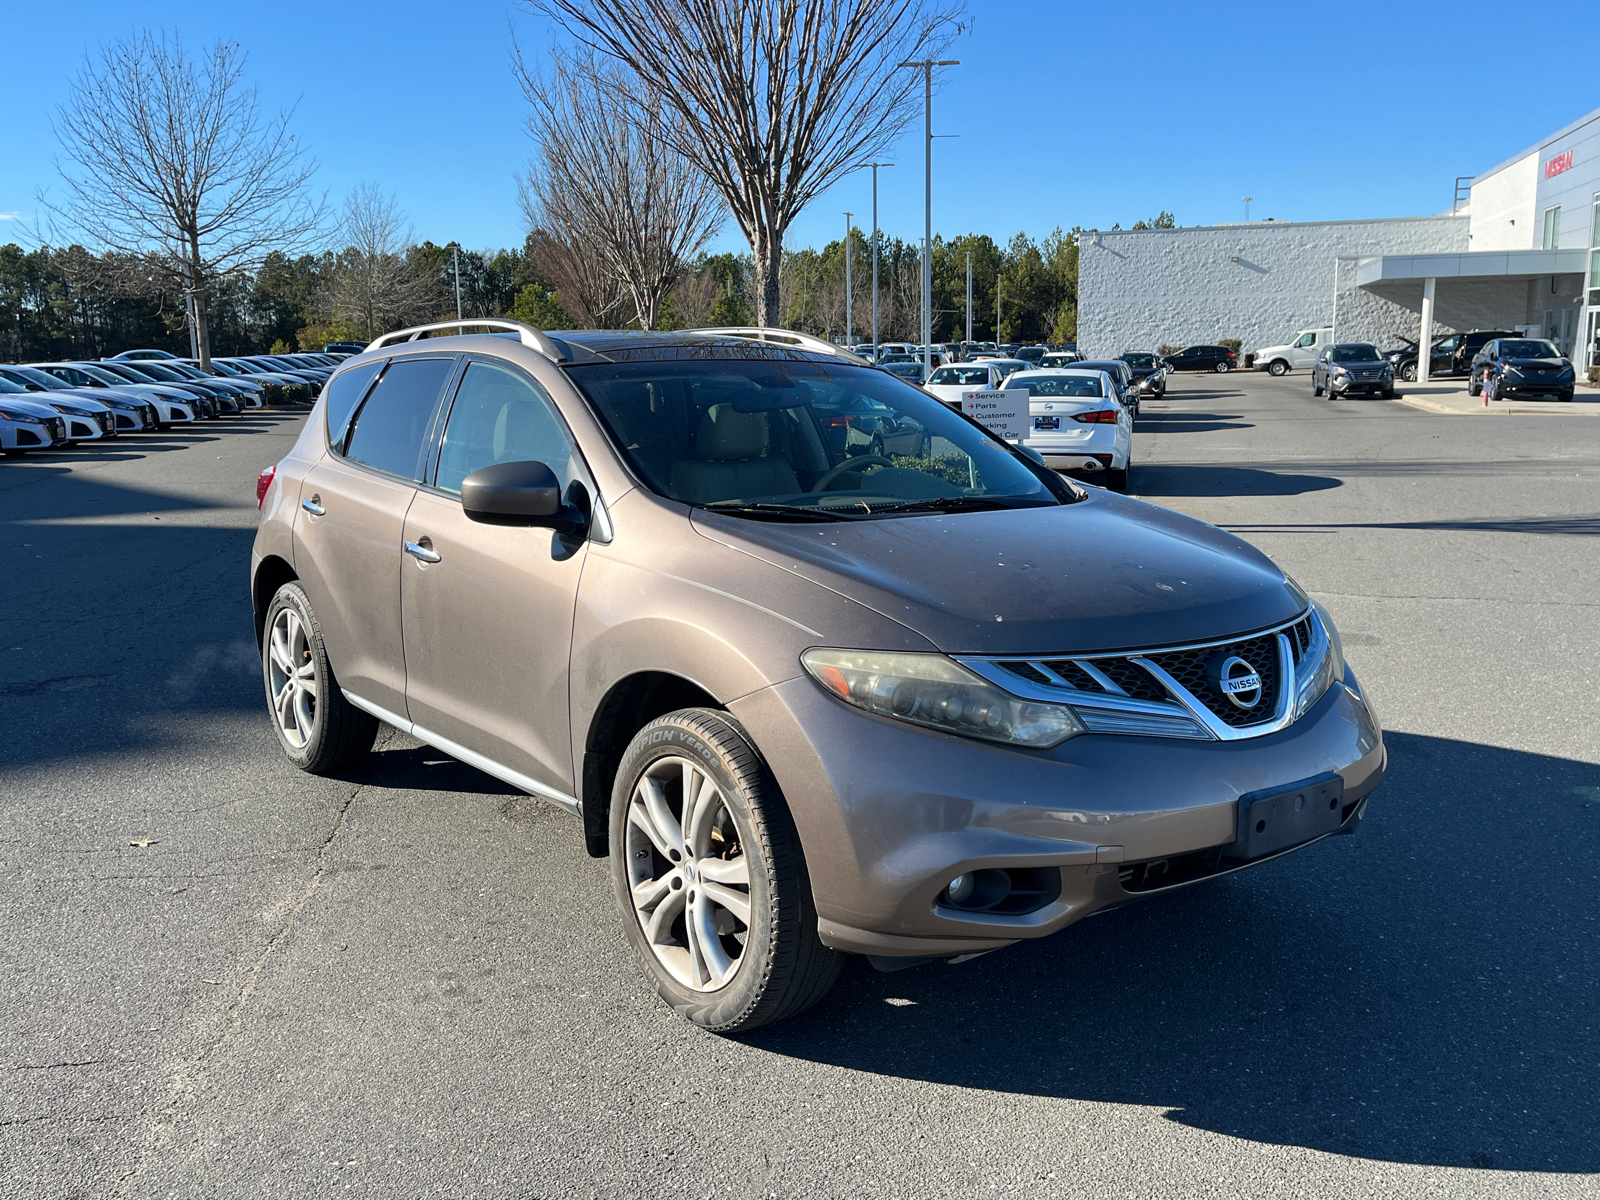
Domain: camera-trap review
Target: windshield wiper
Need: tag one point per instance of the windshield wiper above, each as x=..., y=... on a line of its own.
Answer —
x=775, y=512
x=950, y=504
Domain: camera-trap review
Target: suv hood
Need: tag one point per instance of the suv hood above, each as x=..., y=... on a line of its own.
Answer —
x=1106, y=573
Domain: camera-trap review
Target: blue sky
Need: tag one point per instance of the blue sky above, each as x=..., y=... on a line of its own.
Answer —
x=1064, y=114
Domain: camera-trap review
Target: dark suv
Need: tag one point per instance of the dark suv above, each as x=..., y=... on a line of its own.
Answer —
x=1517, y=366
x=1203, y=358
x=1452, y=354
x=1149, y=372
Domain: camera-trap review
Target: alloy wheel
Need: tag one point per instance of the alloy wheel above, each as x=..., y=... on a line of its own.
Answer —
x=292, y=677
x=687, y=873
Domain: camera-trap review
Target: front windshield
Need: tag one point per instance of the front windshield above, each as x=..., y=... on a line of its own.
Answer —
x=6, y=386
x=97, y=373
x=1139, y=360
x=32, y=375
x=773, y=437
x=159, y=371
x=965, y=376
x=1528, y=348
x=1354, y=352
x=128, y=373
x=1076, y=386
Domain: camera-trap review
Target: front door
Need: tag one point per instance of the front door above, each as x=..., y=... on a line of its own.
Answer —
x=353, y=506
x=488, y=609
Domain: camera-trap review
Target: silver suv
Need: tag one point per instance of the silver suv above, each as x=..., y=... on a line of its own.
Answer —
x=823, y=666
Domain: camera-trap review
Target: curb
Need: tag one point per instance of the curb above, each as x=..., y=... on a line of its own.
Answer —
x=1555, y=408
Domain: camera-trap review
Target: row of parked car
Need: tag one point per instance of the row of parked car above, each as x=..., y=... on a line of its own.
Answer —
x=49, y=404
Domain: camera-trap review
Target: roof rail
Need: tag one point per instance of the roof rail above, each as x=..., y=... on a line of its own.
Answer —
x=530, y=337
x=781, y=337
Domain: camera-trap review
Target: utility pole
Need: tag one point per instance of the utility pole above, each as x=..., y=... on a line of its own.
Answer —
x=1247, y=200
x=849, y=322
x=455, y=256
x=875, y=167
x=927, y=65
x=969, y=302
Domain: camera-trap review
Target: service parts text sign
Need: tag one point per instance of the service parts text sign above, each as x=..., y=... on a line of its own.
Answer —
x=1003, y=413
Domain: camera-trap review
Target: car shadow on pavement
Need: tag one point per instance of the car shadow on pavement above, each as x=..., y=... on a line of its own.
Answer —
x=1424, y=992
x=1178, y=421
x=423, y=767
x=1199, y=479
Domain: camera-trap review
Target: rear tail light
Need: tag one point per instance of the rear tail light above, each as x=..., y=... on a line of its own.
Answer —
x=263, y=482
x=1103, y=416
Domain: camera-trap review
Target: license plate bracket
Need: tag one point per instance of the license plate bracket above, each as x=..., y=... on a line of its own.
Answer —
x=1047, y=422
x=1277, y=818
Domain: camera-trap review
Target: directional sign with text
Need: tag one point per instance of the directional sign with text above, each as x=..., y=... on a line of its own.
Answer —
x=1003, y=413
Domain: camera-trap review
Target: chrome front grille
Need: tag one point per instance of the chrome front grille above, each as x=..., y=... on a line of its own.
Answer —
x=1174, y=691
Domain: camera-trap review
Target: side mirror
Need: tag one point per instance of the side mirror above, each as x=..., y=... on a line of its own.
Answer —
x=519, y=493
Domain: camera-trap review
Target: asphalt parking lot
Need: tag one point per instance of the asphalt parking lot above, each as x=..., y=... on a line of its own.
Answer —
x=226, y=978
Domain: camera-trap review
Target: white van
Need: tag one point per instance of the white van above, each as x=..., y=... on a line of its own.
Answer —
x=1306, y=347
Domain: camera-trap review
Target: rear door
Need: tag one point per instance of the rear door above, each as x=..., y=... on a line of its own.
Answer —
x=488, y=609
x=348, y=530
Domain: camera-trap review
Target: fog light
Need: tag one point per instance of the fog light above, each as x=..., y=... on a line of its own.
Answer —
x=978, y=890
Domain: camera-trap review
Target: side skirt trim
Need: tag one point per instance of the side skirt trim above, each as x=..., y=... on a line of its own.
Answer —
x=471, y=757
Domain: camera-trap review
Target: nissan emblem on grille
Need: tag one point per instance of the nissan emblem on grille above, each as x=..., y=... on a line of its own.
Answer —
x=1237, y=680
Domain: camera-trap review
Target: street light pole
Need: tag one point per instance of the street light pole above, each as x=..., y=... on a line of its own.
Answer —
x=875, y=167
x=1247, y=200
x=927, y=65
x=849, y=322
x=969, y=302
x=998, y=281
x=455, y=255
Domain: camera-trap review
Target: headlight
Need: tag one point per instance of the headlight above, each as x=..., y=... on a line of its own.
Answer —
x=930, y=690
x=1322, y=663
x=1340, y=371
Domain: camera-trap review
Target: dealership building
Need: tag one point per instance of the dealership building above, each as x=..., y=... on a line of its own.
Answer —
x=1519, y=250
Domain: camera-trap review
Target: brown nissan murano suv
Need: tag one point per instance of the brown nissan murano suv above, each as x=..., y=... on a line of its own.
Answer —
x=823, y=666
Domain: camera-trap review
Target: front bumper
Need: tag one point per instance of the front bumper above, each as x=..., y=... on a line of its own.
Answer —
x=889, y=813
x=1350, y=386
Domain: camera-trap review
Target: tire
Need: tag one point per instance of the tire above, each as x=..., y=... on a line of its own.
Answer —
x=716, y=982
x=1316, y=388
x=18, y=453
x=340, y=734
x=1277, y=368
x=1408, y=373
x=1223, y=368
x=1387, y=393
x=1117, y=481
x=1564, y=397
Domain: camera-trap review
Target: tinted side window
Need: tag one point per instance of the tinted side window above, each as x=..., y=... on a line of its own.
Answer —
x=392, y=426
x=498, y=416
x=343, y=393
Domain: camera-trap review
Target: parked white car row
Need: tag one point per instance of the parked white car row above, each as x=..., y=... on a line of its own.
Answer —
x=49, y=404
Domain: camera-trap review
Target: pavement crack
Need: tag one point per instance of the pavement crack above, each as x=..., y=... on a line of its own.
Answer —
x=187, y=1080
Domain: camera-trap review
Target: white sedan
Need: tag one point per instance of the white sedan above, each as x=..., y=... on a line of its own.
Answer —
x=1076, y=423
x=989, y=374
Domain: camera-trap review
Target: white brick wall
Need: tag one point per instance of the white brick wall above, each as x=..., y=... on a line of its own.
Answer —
x=1139, y=290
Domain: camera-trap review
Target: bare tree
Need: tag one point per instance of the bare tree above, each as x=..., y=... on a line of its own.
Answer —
x=375, y=285
x=171, y=158
x=587, y=292
x=604, y=178
x=773, y=100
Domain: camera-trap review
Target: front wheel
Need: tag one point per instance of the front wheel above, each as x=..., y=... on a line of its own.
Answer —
x=710, y=877
x=320, y=731
x=1278, y=367
x=1316, y=388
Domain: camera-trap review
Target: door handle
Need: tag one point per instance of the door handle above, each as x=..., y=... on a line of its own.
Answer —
x=314, y=506
x=423, y=551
